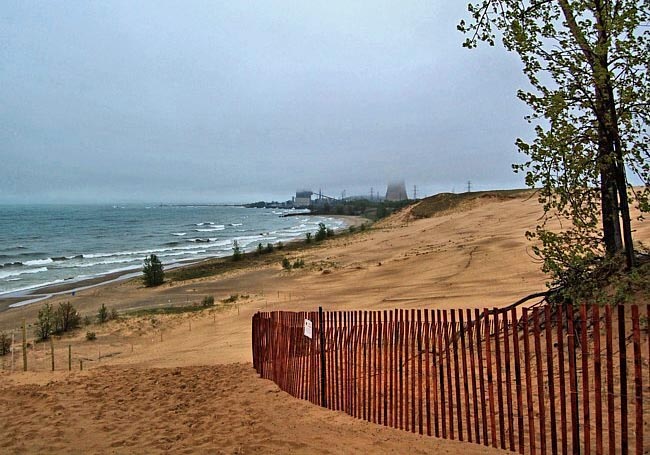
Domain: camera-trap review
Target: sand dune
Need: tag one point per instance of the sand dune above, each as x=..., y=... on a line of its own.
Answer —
x=184, y=383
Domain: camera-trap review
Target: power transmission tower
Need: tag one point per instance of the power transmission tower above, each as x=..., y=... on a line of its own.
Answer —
x=415, y=192
x=469, y=186
x=372, y=192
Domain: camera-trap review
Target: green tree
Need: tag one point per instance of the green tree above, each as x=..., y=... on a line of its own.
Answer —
x=102, y=314
x=152, y=272
x=588, y=66
x=45, y=322
x=322, y=232
x=237, y=253
x=66, y=318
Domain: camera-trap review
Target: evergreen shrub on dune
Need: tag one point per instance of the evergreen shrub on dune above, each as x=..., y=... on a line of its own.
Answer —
x=152, y=272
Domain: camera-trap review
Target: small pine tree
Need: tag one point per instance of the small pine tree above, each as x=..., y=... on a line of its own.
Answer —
x=322, y=232
x=269, y=248
x=152, y=272
x=308, y=237
x=236, y=251
x=66, y=318
x=45, y=322
x=207, y=301
x=102, y=314
x=260, y=248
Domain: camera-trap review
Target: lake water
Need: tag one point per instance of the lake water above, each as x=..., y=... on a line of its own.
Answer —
x=50, y=244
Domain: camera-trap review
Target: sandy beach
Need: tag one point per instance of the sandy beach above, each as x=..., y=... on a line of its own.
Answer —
x=184, y=383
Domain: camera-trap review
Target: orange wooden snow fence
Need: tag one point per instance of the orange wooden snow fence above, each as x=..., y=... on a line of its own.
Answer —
x=551, y=379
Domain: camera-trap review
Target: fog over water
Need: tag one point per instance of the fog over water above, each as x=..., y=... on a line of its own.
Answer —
x=211, y=101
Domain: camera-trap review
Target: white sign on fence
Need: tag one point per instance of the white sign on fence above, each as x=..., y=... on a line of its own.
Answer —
x=307, y=328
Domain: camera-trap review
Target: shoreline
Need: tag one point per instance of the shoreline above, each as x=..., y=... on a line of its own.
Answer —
x=21, y=298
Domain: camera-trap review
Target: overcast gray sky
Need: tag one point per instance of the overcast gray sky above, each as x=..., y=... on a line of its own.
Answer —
x=209, y=101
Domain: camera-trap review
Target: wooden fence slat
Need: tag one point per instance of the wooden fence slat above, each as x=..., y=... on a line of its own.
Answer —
x=405, y=368
x=573, y=381
x=506, y=349
x=400, y=365
x=598, y=384
x=463, y=348
x=479, y=350
x=427, y=370
x=529, y=393
x=638, y=386
x=551, y=377
x=419, y=356
x=361, y=402
x=346, y=353
x=435, y=323
x=540, y=382
x=450, y=399
x=441, y=367
x=413, y=370
x=368, y=367
x=586, y=425
x=459, y=415
x=562, y=385
x=376, y=377
x=622, y=352
x=497, y=352
x=490, y=379
x=472, y=365
x=350, y=362
x=394, y=385
x=609, y=349
x=338, y=370
x=364, y=364
x=385, y=347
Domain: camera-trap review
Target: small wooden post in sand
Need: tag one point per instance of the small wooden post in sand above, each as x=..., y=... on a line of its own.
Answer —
x=81, y=365
x=24, y=347
x=52, y=350
x=69, y=357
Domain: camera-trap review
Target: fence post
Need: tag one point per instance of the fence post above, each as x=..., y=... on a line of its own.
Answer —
x=52, y=350
x=24, y=347
x=323, y=397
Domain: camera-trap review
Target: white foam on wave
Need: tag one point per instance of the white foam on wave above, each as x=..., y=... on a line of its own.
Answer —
x=38, y=262
x=220, y=227
x=179, y=234
x=22, y=272
x=114, y=261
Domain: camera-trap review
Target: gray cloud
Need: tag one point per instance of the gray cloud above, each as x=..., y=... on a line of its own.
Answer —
x=231, y=101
